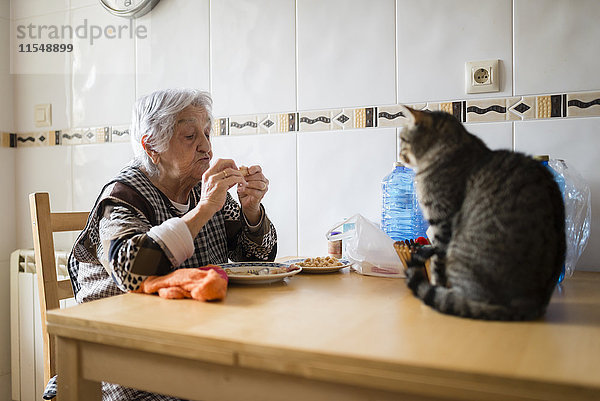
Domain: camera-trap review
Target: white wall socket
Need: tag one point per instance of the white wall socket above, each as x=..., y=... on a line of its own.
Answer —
x=482, y=76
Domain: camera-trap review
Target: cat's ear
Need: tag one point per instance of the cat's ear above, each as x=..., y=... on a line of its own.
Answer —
x=414, y=117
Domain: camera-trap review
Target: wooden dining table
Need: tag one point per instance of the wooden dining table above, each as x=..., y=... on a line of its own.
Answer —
x=336, y=336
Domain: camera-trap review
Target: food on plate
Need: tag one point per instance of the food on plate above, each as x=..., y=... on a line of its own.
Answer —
x=327, y=261
x=261, y=271
x=244, y=171
x=285, y=269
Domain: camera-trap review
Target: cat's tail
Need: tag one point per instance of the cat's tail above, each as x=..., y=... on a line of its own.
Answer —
x=453, y=301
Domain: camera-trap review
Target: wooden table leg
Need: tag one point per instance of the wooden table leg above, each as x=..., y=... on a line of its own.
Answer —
x=71, y=384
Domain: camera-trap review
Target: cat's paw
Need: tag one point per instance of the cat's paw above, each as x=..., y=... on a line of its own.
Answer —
x=422, y=253
x=407, y=253
x=415, y=257
x=415, y=277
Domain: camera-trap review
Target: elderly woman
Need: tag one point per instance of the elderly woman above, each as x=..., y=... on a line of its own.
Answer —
x=170, y=208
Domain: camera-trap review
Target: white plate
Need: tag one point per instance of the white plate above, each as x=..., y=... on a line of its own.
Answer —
x=331, y=269
x=242, y=272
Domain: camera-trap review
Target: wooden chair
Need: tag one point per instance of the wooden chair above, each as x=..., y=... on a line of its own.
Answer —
x=51, y=290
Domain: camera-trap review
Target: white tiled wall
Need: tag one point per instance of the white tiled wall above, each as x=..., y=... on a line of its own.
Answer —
x=7, y=203
x=253, y=56
x=555, y=45
x=42, y=169
x=275, y=154
x=103, y=80
x=39, y=62
x=94, y=166
x=5, y=384
x=7, y=199
x=29, y=8
x=346, y=53
x=82, y=3
x=436, y=38
x=4, y=331
x=7, y=245
x=30, y=90
x=339, y=175
x=5, y=10
x=6, y=84
x=271, y=56
x=5, y=45
x=495, y=135
x=165, y=61
x=31, y=87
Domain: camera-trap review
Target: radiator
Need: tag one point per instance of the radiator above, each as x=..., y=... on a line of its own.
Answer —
x=26, y=341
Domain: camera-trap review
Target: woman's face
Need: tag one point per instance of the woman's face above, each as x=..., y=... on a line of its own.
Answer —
x=190, y=151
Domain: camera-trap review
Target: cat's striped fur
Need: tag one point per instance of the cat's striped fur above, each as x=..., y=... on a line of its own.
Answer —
x=497, y=219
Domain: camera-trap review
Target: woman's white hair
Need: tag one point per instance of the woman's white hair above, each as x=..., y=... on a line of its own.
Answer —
x=154, y=116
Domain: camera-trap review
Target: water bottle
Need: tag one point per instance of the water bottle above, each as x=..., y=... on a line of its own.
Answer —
x=401, y=216
x=560, y=180
x=419, y=223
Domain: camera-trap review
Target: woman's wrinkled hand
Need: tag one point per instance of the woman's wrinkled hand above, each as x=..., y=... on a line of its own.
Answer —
x=251, y=194
x=216, y=181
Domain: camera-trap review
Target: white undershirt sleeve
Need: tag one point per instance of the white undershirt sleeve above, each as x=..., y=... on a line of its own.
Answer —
x=176, y=236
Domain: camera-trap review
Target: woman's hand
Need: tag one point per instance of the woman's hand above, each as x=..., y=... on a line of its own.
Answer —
x=251, y=194
x=216, y=181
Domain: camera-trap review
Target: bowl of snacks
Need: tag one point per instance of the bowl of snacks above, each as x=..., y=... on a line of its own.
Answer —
x=325, y=264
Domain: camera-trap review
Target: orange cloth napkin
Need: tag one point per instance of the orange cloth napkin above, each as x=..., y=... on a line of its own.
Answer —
x=207, y=283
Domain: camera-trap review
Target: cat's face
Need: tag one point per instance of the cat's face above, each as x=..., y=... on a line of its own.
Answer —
x=425, y=133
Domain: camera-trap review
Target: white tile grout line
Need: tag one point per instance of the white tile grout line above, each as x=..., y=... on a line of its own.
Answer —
x=396, y=61
x=296, y=52
x=72, y=174
x=512, y=46
x=513, y=72
x=210, y=55
x=298, y=122
x=135, y=63
x=297, y=194
x=71, y=79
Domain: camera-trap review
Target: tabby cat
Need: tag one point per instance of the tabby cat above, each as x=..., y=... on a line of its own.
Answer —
x=497, y=219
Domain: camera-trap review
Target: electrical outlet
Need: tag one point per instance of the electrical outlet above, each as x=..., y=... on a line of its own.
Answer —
x=482, y=76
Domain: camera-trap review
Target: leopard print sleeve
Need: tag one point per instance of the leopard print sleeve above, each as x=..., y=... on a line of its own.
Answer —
x=245, y=242
x=126, y=251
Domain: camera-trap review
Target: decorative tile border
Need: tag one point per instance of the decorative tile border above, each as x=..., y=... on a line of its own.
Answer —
x=486, y=110
x=119, y=133
x=583, y=104
x=74, y=136
x=8, y=140
x=522, y=108
x=391, y=116
x=35, y=139
x=579, y=104
x=267, y=123
x=558, y=105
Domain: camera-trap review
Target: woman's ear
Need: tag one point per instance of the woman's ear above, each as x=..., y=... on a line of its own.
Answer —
x=154, y=156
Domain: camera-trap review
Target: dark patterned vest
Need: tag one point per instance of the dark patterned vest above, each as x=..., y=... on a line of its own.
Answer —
x=132, y=189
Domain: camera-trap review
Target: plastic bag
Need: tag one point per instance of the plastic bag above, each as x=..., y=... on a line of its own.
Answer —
x=369, y=249
x=578, y=212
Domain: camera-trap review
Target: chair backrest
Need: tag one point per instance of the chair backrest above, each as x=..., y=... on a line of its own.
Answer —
x=51, y=290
